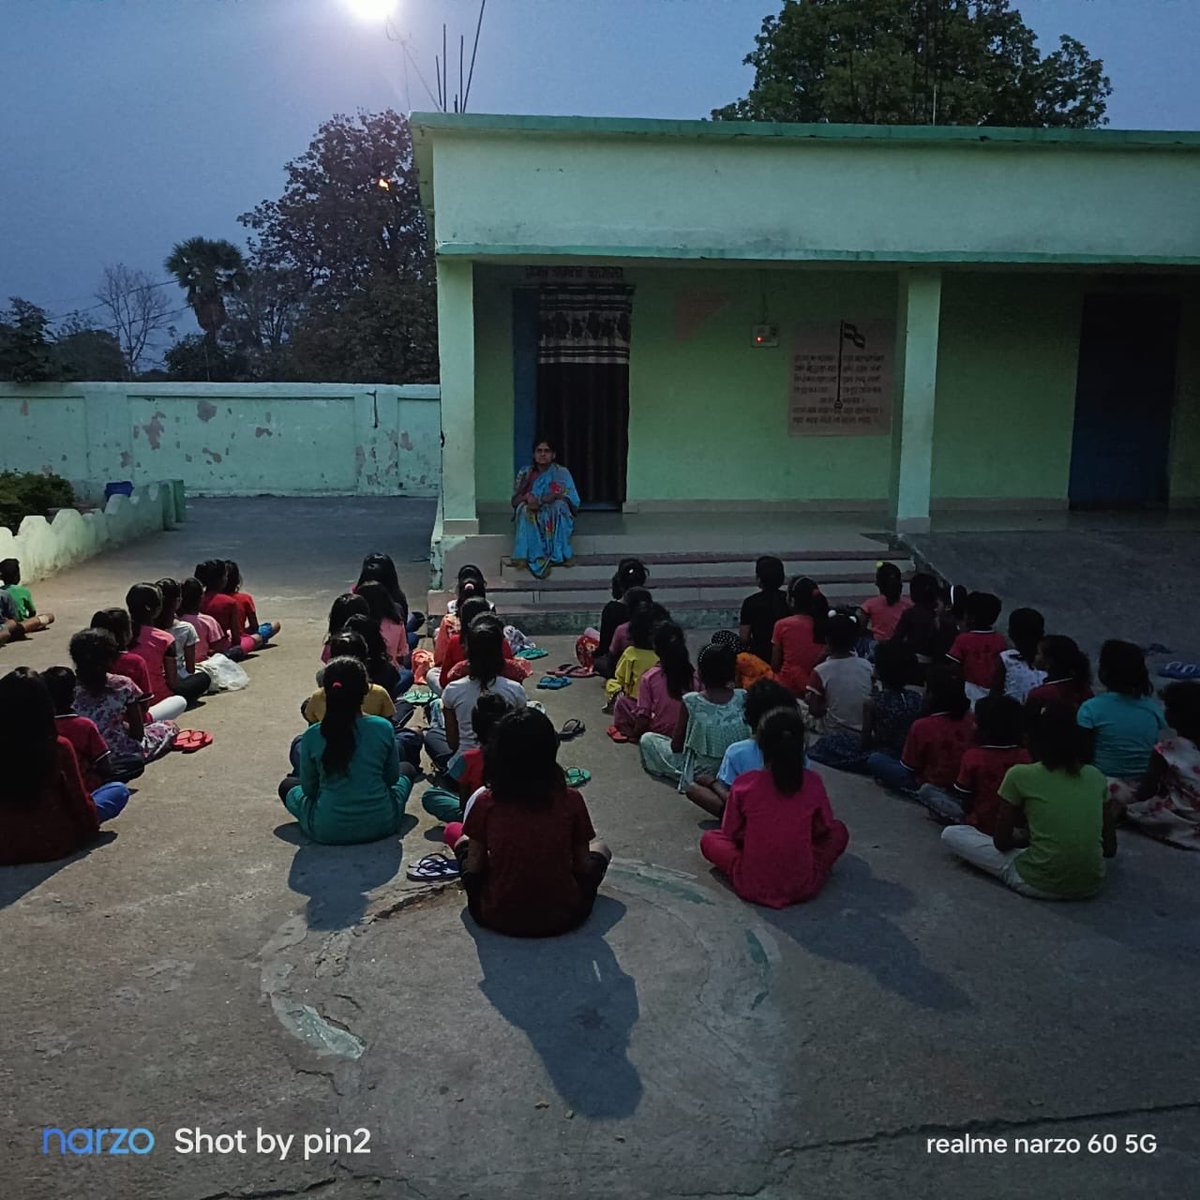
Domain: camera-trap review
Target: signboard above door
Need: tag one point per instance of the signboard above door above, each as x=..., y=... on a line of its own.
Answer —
x=574, y=274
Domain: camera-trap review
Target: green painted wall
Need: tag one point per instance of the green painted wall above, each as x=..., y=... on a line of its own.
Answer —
x=708, y=410
x=1006, y=386
x=493, y=384
x=823, y=199
x=228, y=439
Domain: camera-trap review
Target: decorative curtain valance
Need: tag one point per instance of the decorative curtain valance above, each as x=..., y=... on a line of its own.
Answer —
x=584, y=325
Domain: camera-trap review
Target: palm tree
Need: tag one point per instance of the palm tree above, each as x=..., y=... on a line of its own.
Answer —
x=208, y=271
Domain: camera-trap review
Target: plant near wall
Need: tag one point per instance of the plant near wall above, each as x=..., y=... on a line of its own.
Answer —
x=30, y=494
x=917, y=62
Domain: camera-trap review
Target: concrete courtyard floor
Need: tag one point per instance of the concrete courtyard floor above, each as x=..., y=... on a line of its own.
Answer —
x=204, y=968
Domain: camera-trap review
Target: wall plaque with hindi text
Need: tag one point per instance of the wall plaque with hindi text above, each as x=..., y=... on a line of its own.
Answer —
x=842, y=374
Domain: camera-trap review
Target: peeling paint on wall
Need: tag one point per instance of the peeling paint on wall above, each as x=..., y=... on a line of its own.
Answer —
x=154, y=430
x=226, y=439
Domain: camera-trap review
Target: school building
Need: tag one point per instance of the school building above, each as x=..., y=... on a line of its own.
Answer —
x=720, y=317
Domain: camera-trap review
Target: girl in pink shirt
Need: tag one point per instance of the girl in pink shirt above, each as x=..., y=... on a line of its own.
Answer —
x=210, y=637
x=156, y=648
x=882, y=613
x=778, y=839
x=383, y=609
x=662, y=688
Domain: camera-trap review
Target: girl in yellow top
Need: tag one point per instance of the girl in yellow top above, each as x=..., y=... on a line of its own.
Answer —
x=638, y=657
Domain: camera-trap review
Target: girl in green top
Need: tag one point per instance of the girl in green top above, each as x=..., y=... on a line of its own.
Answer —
x=1063, y=800
x=352, y=786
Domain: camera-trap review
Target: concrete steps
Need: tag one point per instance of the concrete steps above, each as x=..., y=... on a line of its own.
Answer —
x=702, y=589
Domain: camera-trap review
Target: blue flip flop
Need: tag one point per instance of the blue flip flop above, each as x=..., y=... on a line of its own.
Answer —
x=1180, y=670
x=552, y=683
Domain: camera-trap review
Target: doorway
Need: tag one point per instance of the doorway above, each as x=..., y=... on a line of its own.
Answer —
x=1123, y=400
x=571, y=384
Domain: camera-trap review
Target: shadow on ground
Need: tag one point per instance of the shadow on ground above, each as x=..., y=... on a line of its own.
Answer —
x=849, y=922
x=337, y=879
x=571, y=999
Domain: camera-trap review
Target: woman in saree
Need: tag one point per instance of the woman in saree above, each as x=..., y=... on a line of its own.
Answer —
x=546, y=502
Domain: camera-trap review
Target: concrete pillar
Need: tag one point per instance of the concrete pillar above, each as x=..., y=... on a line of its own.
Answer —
x=456, y=354
x=918, y=314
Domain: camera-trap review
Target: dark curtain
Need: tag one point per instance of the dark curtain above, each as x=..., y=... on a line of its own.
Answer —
x=583, y=386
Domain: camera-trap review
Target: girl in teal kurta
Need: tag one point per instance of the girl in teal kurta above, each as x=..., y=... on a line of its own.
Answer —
x=546, y=501
x=351, y=786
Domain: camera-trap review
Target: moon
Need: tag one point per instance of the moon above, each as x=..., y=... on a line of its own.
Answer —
x=371, y=10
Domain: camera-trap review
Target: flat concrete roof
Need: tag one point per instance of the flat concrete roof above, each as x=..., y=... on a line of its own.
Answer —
x=1093, y=139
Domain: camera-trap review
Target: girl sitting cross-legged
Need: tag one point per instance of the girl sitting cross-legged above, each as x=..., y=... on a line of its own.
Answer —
x=379, y=568
x=45, y=810
x=778, y=839
x=936, y=742
x=531, y=866
x=636, y=660
x=838, y=691
x=1166, y=804
x=1063, y=799
x=710, y=721
x=798, y=641
x=1068, y=675
x=662, y=688
x=112, y=702
x=711, y=792
x=975, y=800
x=351, y=786
x=1125, y=721
x=485, y=666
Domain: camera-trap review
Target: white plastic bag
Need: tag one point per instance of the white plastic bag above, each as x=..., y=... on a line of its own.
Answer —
x=225, y=674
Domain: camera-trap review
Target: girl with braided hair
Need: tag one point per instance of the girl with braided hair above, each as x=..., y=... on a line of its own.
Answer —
x=710, y=721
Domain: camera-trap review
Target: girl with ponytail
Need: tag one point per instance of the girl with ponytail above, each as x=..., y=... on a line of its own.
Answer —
x=156, y=648
x=778, y=839
x=881, y=614
x=352, y=786
x=798, y=642
x=662, y=688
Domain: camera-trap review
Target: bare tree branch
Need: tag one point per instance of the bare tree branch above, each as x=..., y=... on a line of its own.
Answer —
x=136, y=309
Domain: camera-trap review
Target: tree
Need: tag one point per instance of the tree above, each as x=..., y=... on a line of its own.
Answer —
x=25, y=344
x=263, y=317
x=136, y=309
x=347, y=244
x=192, y=358
x=916, y=62
x=81, y=351
x=210, y=272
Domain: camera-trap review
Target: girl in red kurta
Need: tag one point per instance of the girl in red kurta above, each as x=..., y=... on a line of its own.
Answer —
x=798, y=641
x=778, y=839
x=45, y=811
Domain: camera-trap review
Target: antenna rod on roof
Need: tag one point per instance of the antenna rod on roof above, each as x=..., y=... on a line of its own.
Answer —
x=460, y=103
x=474, y=49
x=445, y=71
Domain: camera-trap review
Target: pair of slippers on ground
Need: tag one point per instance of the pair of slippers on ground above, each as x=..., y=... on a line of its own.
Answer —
x=190, y=740
x=442, y=867
x=561, y=676
x=1180, y=670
